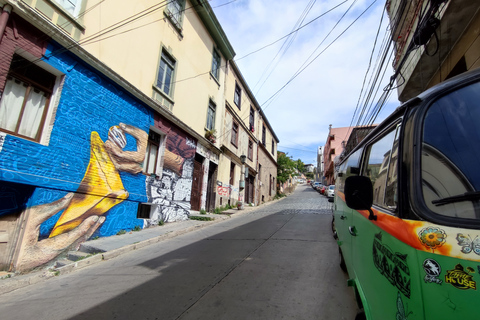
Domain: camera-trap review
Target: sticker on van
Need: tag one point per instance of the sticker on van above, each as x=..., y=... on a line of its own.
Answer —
x=432, y=269
x=461, y=279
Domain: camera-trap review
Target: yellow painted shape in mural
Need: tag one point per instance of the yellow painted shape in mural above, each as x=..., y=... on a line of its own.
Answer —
x=100, y=190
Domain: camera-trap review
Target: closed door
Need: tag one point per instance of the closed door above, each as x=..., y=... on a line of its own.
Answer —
x=196, y=186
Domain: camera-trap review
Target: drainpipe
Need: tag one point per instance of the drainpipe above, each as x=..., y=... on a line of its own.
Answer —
x=6, y=10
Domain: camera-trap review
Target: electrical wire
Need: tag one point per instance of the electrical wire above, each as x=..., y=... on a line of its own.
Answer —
x=285, y=46
x=260, y=106
x=308, y=64
x=341, y=18
x=285, y=36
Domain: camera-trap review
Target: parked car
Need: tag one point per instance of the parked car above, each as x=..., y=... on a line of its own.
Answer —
x=322, y=190
x=330, y=193
x=315, y=185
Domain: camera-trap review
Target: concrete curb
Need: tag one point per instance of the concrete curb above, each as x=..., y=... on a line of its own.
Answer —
x=20, y=281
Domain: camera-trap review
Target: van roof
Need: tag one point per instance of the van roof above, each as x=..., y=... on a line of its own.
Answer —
x=438, y=89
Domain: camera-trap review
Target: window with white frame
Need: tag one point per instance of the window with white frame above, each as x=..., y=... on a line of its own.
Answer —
x=71, y=6
x=211, y=116
x=165, y=74
x=216, y=64
x=174, y=11
x=151, y=164
x=25, y=101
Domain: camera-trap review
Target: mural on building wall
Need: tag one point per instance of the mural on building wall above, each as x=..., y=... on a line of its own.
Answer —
x=101, y=187
x=85, y=179
x=171, y=192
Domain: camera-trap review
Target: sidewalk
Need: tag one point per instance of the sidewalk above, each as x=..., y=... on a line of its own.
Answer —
x=95, y=251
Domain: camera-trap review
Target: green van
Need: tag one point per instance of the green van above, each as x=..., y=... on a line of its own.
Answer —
x=407, y=208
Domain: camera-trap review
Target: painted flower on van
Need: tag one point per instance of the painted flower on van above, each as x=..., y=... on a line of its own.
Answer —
x=432, y=237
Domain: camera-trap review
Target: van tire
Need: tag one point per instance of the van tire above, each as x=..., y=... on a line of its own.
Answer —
x=361, y=315
x=343, y=266
x=334, y=230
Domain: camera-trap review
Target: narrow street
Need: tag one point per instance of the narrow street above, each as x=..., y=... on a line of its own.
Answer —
x=279, y=261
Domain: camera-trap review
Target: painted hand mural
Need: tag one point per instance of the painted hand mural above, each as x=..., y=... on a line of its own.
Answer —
x=129, y=161
x=33, y=252
x=100, y=189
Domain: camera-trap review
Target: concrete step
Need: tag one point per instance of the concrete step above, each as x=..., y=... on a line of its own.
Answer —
x=89, y=247
x=77, y=255
x=62, y=262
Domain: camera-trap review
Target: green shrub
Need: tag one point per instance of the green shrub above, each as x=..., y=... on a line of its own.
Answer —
x=279, y=196
x=203, y=211
x=201, y=218
x=121, y=232
x=161, y=222
x=137, y=228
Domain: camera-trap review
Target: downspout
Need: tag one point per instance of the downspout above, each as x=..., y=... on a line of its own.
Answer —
x=6, y=10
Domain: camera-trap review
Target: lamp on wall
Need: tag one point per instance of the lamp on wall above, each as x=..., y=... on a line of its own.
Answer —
x=243, y=158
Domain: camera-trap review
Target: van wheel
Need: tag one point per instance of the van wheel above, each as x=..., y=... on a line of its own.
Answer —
x=361, y=316
x=334, y=230
x=343, y=266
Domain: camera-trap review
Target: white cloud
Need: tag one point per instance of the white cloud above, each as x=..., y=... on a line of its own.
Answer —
x=327, y=91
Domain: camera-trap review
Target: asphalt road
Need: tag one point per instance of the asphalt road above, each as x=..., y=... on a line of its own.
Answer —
x=277, y=262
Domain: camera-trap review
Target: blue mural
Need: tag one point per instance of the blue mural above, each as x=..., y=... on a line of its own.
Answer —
x=88, y=180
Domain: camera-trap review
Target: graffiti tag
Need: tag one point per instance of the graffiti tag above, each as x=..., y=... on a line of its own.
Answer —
x=190, y=143
x=224, y=191
x=391, y=265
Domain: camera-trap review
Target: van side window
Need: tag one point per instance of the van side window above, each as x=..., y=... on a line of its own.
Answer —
x=381, y=168
x=450, y=154
x=345, y=170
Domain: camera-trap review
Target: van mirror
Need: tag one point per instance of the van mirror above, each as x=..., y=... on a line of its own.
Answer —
x=359, y=194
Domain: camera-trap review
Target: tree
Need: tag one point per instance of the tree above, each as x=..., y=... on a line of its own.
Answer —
x=300, y=165
x=286, y=167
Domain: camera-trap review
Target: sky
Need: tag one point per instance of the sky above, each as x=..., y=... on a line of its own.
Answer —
x=334, y=59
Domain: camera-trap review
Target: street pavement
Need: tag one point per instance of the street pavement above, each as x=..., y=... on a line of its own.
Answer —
x=274, y=261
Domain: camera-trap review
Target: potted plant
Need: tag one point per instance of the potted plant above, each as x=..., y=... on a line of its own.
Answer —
x=210, y=135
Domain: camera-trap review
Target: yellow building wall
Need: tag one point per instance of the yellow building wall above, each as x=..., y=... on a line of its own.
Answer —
x=134, y=50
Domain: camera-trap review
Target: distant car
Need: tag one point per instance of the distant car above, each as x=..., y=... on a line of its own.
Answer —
x=323, y=189
x=330, y=192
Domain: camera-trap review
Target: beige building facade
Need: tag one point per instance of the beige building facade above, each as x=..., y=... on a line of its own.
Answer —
x=176, y=58
x=245, y=168
x=434, y=41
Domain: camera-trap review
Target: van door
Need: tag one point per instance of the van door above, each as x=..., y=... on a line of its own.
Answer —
x=342, y=213
x=381, y=261
x=449, y=157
